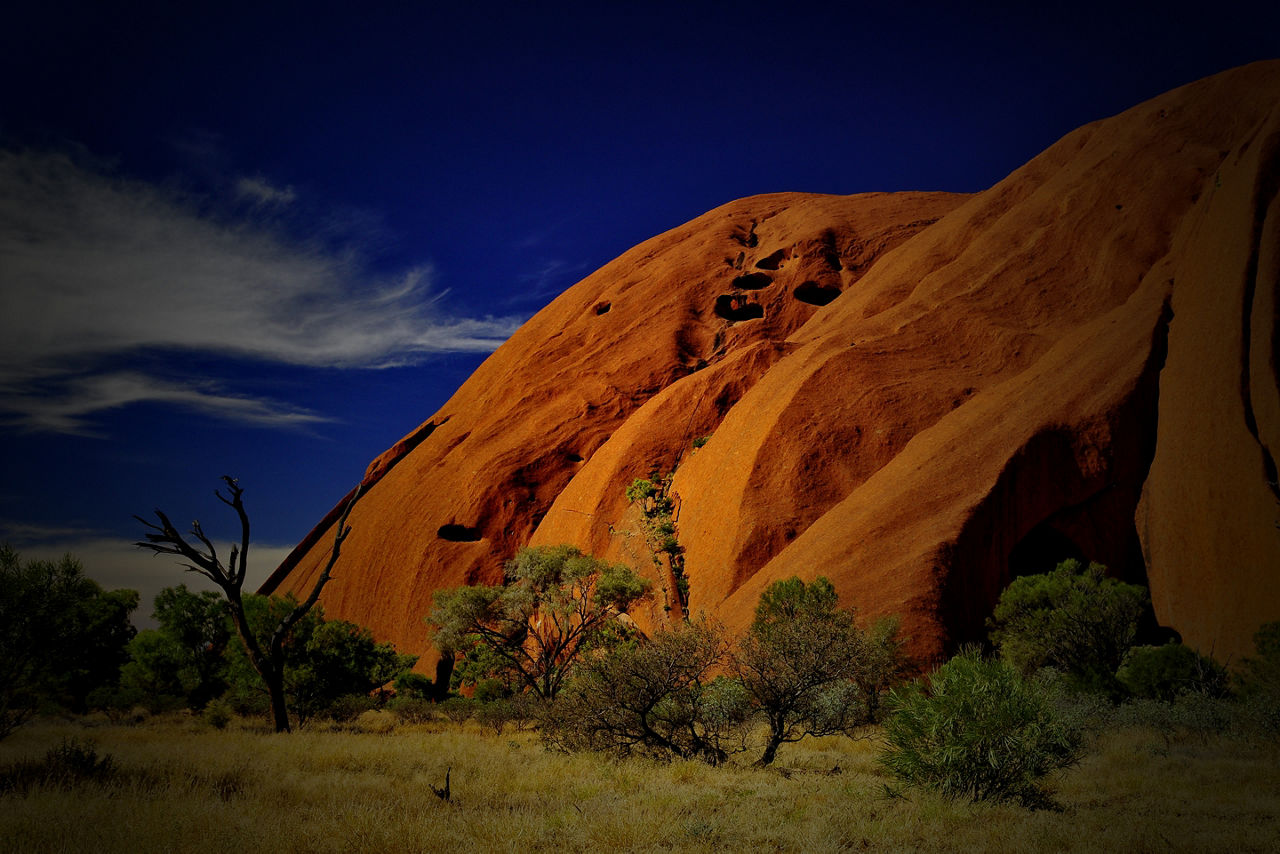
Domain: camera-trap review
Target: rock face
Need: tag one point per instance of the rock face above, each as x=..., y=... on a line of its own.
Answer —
x=918, y=395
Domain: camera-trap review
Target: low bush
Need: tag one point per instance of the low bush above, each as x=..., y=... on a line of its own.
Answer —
x=979, y=730
x=378, y=721
x=656, y=697
x=412, y=710
x=1259, y=681
x=458, y=709
x=70, y=763
x=414, y=685
x=217, y=714
x=1167, y=672
x=349, y=707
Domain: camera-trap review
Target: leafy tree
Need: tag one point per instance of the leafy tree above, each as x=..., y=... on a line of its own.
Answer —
x=532, y=630
x=977, y=729
x=91, y=645
x=1074, y=619
x=807, y=666
x=341, y=659
x=264, y=653
x=326, y=661
x=414, y=686
x=181, y=662
x=156, y=675
x=1167, y=672
x=655, y=696
x=61, y=635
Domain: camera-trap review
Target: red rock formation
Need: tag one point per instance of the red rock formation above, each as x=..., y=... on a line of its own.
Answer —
x=918, y=395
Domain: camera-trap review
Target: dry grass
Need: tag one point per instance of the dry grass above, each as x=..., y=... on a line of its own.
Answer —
x=183, y=787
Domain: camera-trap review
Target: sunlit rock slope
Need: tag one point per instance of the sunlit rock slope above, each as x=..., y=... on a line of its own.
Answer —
x=918, y=395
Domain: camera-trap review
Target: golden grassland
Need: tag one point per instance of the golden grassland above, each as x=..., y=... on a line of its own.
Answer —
x=183, y=786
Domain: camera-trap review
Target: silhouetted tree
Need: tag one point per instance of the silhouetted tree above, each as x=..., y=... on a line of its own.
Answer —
x=181, y=662
x=267, y=658
x=62, y=637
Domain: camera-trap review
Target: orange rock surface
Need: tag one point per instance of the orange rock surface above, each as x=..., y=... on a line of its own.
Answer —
x=917, y=395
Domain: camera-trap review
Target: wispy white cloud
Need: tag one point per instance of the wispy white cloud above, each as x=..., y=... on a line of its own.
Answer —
x=97, y=266
x=68, y=407
x=258, y=191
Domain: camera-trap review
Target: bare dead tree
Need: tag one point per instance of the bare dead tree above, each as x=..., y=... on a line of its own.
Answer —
x=268, y=659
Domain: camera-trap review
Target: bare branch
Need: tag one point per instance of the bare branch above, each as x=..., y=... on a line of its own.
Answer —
x=237, y=504
x=340, y=534
x=167, y=540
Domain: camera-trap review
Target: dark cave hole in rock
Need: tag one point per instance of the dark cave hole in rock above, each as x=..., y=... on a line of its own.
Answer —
x=603, y=307
x=1041, y=550
x=815, y=294
x=753, y=281
x=832, y=257
x=774, y=261
x=458, y=533
x=736, y=307
x=575, y=458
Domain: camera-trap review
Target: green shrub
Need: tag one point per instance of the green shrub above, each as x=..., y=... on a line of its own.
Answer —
x=413, y=710
x=977, y=730
x=1075, y=620
x=532, y=631
x=807, y=666
x=70, y=763
x=415, y=685
x=1167, y=672
x=1260, y=674
x=655, y=697
x=217, y=714
x=458, y=709
x=640, y=489
x=496, y=714
x=350, y=706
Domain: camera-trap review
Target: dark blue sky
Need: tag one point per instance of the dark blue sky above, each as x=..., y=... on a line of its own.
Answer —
x=270, y=241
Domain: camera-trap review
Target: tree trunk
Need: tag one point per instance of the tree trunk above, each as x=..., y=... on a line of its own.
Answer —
x=275, y=689
x=770, y=751
x=444, y=675
x=776, y=735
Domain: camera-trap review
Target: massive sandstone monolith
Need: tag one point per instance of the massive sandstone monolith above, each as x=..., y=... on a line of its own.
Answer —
x=918, y=395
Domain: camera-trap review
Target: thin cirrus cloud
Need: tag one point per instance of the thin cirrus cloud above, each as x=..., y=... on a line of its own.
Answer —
x=98, y=268
x=73, y=401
